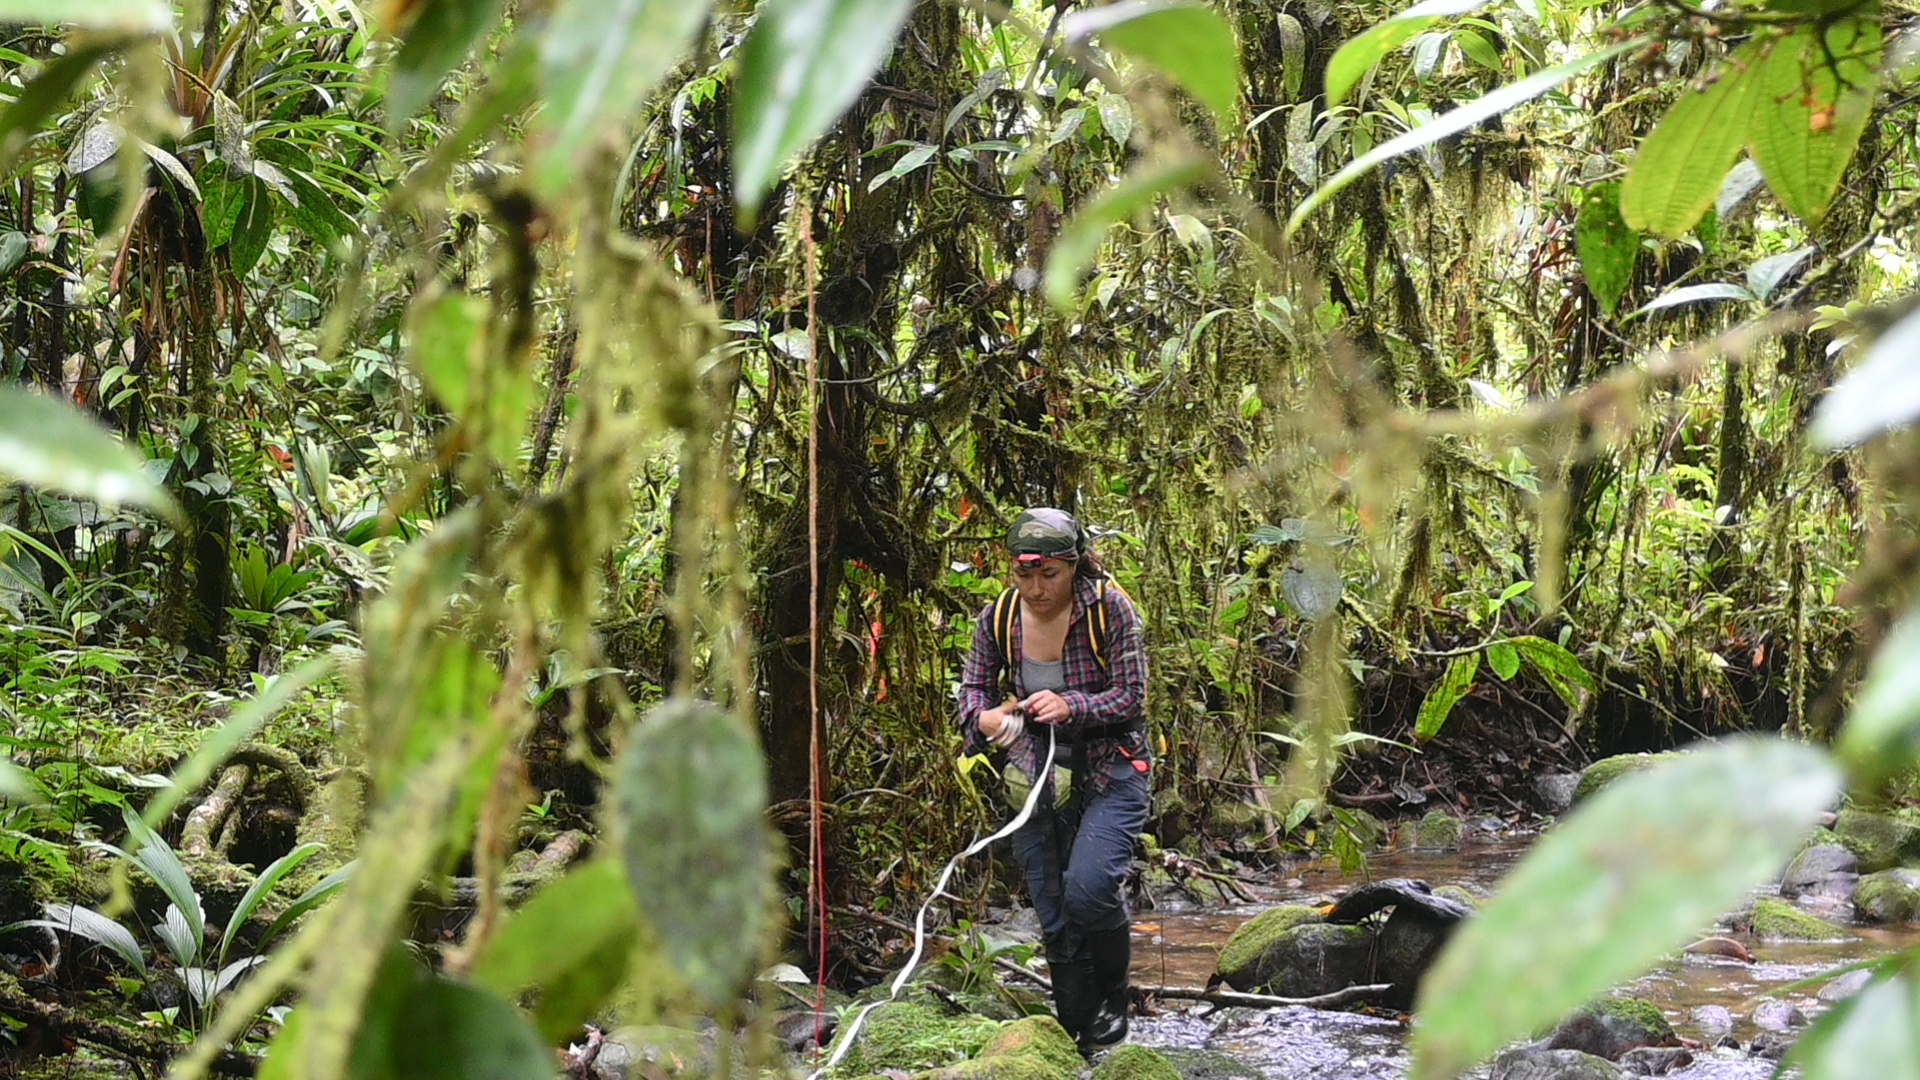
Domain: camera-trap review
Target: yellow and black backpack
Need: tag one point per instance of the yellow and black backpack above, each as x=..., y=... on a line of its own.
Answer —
x=1007, y=608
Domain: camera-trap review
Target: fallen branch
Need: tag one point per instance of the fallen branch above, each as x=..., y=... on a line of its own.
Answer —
x=197, y=835
x=64, y=1022
x=1265, y=1001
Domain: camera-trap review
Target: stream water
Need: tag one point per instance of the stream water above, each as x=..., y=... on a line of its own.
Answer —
x=1176, y=945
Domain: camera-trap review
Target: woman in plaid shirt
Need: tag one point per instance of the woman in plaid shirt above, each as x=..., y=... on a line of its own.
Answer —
x=1090, y=696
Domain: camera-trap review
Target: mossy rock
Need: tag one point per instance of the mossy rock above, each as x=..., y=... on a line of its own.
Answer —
x=1199, y=1064
x=1132, y=1062
x=1777, y=920
x=1460, y=894
x=910, y=1036
x=1367, y=829
x=1438, y=831
x=1890, y=896
x=1607, y=770
x=1031, y=1048
x=1308, y=960
x=1610, y=1026
x=1879, y=841
x=1258, y=934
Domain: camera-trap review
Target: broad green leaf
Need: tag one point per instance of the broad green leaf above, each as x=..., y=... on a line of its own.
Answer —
x=240, y=726
x=1625, y=878
x=51, y=444
x=1560, y=668
x=1080, y=240
x=1693, y=294
x=17, y=785
x=1445, y=694
x=223, y=197
x=1606, y=245
x=143, y=16
x=1883, y=392
x=586, y=919
x=1882, y=732
x=439, y=37
x=252, y=227
x=1503, y=658
x=802, y=64
x=1186, y=41
x=1358, y=56
x=1874, y=1035
x=1679, y=168
x=315, y=211
x=451, y=1031
x=599, y=59
x=1811, y=101
x=690, y=792
x=1453, y=122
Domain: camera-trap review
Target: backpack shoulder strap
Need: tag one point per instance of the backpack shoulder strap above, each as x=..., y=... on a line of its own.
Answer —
x=1005, y=610
x=1097, y=624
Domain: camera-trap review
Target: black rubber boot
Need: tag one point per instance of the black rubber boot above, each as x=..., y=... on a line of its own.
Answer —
x=1074, y=995
x=1110, y=955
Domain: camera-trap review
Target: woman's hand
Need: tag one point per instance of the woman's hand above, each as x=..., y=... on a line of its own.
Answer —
x=1047, y=707
x=1003, y=725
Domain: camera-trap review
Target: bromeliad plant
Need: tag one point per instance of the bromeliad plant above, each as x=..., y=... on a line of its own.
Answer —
x=201, y=965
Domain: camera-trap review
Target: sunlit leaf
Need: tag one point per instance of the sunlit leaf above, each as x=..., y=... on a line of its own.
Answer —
x=1445, y=695
x=1080, y=240
x=1765, y=276
x=599, y=59
x=16, y=785
x=145, y=16
x=1367, y=48
x=1453, y=122
x=1618, y=883
x=1811, y=102
x=1188, y=42
x=1883, y=392
x=51, y=444
x=1693, y=294
x=1606, y=245
x=89, y=924
x=1313, y=586
x=691, y=791
x=1679, y=167
x=585, y=920
x=802, y=64
x=439, y=37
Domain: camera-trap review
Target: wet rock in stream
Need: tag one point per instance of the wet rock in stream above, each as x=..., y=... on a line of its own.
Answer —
x=1532, y=1064
x=1824, y=870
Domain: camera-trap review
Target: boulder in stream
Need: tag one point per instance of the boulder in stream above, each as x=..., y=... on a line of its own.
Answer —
x=1529, y=1063
x=1420, y=924
x=1879, y=841
x=1821, y=870
x=1890, y=896
x=1656, y=1060
x=1308, y=960
x=1554, y=791
x=1240, y=957
x=1135, y=1062
x=1611, y=1026
x=1607, y=770
x=1438, y=831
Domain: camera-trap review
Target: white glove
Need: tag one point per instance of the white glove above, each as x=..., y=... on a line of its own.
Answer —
x=1010, y=729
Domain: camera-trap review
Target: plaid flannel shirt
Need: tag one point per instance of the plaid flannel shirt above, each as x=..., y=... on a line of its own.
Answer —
x=1096, y=697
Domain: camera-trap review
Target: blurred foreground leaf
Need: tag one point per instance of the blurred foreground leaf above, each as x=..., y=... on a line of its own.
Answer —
x=51, y=444
x=691, y=791
x=1882, y=392
x=1187, y=42
x=1623, y=880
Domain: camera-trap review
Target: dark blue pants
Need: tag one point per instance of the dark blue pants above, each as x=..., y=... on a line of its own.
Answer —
x=1076, y=856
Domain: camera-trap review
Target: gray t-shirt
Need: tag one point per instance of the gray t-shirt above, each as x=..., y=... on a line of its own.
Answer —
x=1038, y=675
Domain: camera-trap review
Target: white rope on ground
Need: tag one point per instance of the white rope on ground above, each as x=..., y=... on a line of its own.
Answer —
x=1042, y=782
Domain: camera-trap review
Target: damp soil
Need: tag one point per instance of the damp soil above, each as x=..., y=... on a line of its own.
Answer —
x=1176, y=943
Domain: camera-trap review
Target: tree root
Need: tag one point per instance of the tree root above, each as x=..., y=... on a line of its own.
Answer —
x=206, y=819
x=62, y=1022
x=561, y=852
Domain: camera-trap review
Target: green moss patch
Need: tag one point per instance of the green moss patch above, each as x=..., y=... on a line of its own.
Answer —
x=1879, y=841
x=1438, y=831
x=1258, y=934
x=1607, y=770
x=1031, y=1048
x=1777, y=920
x=1132, y=1062
x=911, y=1036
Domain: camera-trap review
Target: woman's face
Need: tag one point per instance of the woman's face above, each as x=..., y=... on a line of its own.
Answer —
x=1046, y=585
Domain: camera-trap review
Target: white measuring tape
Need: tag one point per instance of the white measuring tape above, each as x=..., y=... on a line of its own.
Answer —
x=848, y=1033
